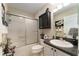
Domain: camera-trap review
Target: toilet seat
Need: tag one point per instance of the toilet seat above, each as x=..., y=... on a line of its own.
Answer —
x=37, y=48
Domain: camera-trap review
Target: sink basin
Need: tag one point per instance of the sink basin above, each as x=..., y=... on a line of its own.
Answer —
x=61, y=43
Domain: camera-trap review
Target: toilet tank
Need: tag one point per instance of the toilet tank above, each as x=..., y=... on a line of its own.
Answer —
x=42, y=41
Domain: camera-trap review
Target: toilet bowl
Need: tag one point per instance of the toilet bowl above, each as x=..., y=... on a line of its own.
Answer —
x=37, y=48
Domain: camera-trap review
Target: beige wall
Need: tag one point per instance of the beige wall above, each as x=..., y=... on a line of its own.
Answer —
x=78, y=18
x=18, y=12
x=60, y=16
x=65, y=13
x=49, y=32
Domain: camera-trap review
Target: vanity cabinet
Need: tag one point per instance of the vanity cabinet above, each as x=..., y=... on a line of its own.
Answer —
x=48, y=50
x=59, y=53
x=51, y=51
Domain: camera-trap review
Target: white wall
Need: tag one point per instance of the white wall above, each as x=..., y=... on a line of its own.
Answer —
x=0, y=24
x=3, y=29
x=0, y=31
x=78, y=28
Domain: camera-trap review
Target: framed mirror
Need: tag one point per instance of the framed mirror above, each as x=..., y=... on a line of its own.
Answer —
x=70, y=22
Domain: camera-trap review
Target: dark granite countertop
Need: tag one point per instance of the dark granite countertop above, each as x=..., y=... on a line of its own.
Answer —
x=71, y=51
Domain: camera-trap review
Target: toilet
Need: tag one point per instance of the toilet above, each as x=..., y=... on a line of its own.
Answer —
x=42, y=42
x=38, y=49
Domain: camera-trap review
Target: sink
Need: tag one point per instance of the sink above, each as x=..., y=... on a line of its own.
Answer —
x=61, y=43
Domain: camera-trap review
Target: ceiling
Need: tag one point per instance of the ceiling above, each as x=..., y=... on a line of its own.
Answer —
x=31, y=8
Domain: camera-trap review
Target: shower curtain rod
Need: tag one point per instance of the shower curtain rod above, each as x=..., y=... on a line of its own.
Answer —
x=19, y=16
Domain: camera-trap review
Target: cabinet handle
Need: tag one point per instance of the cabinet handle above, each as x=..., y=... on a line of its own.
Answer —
x=55, y=50
x=51, y=48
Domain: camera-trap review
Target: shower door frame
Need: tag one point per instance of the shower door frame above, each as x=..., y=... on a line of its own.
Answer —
x=10, y=14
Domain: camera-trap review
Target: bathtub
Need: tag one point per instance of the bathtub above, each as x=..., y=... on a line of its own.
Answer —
x=24, y=50
x=0, y=51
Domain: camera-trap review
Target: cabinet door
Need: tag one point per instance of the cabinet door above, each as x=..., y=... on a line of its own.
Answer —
x=48, y=50
x=60, y=53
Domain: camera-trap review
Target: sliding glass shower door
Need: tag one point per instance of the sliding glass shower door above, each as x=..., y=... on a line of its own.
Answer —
x=22, y=31
x=31, y=31
x=16, y=31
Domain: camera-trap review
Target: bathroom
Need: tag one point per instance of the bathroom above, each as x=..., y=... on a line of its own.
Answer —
x=39, y=29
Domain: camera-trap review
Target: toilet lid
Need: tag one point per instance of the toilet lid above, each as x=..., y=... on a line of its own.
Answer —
x=37, y=47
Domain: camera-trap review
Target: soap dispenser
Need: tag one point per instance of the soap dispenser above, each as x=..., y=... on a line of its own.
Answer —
x=45, y=36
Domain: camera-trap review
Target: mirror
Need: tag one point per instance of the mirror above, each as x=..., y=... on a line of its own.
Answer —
x=70, y=22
